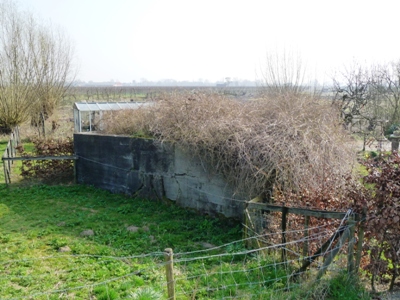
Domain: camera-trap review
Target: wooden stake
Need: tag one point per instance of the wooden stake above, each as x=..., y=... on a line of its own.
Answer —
x=332, y=253
x=360, y=240
x=319, y=252
x=284, y=221
x=169, y=266
x=350, y=251
x=305, y=245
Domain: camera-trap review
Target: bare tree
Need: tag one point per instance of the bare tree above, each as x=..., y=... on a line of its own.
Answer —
x=35, y=66
x=284, y=72
x=370, y=95
x=386, y=83
x=352, y=92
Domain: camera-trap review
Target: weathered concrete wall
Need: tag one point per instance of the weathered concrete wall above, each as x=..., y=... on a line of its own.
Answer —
x=150, y=169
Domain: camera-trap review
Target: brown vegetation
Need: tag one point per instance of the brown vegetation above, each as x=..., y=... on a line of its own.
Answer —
x=383, y=224
x=49, y=169
x=295, y=142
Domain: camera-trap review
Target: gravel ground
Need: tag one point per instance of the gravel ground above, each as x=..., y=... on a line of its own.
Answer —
x=395, y=295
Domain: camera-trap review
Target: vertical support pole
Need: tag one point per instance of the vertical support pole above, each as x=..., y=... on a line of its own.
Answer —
x=43, y=122
x=17, y=134
x=80, y=121
x=246, y=223
x=249, y=224
x=305, y=245
x=360, y=239
x=283, y=226
x=12, y=146
x=5, y=172
x=8, y=175
x=8, y=154
x=332, y=253
x=169, y=266
x=350, y=251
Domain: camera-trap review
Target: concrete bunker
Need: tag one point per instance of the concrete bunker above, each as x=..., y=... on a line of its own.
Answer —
x=147, y=168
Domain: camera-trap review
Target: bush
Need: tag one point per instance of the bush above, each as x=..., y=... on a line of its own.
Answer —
x=383, y=224
x=49, y=169
x=392, y=128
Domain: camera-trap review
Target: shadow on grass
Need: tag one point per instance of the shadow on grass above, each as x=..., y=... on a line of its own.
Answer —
x=43, y=212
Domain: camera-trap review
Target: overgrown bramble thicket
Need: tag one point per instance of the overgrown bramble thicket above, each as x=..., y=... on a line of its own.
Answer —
x=292, y=142
x=295, y=142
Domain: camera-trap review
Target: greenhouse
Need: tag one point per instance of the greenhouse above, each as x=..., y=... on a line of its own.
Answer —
x=88, y=115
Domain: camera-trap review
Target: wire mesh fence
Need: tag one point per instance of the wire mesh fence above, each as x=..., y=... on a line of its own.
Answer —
x=229, y=271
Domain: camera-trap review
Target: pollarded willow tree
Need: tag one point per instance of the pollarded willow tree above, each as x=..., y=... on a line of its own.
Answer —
x=35, y=67
x=285, y=72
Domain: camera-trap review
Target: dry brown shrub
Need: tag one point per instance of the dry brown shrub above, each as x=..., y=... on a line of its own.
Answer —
x=295, y=142
x=127, y=122
x=49, y=170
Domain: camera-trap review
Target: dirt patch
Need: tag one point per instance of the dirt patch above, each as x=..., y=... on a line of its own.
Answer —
x=88, y=232
x=132, y=228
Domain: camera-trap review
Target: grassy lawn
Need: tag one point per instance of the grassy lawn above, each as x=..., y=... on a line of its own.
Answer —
x=48, y=251
x=38, y=222
x=15, y=174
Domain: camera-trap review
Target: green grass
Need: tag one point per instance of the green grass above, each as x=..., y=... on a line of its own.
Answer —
x=35, y=222
x=29, y=147
x=339, y=286
x=114, y=263
x=15, y=174
x=41, y=208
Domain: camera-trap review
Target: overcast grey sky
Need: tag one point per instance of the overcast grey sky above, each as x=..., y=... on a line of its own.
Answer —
x=127, y=40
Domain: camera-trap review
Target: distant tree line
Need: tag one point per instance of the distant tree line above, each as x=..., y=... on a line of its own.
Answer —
x=144, y=93
x=228, y=81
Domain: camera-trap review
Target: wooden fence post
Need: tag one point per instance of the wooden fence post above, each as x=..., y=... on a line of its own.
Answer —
x=169, y=266
x=350, y=252
x=305, y=245
x=321, y=251
x=284, y=221
x=8, y=154
x=360, y=235
x=12, y=146
x=5, y=172
x=332, y=253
